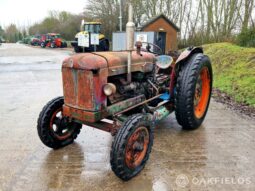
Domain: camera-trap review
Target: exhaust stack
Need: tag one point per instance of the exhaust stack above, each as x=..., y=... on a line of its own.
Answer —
x=82, y=24
x=130, y=30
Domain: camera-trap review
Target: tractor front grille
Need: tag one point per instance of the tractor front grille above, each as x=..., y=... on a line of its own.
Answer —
x=78, y=89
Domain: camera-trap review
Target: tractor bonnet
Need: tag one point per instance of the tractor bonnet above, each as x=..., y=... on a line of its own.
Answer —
x=116, y=62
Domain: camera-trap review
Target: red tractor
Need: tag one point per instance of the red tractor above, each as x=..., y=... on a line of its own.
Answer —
x=52, y=40
x=135, y=89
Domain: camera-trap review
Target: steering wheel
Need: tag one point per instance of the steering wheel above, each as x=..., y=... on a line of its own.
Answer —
x=149, y=45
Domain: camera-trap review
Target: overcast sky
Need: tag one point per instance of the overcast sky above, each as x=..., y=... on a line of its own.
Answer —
x=27, y=12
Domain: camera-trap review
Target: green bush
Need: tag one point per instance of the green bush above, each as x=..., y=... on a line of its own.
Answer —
x=247, y=38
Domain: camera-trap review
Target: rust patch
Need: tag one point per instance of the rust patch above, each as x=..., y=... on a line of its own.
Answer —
x=116, y=62
x=85, y=61
x=186, y=53
x=81, y=115
x=68, y=86
x=120, y=106
x=84, y=86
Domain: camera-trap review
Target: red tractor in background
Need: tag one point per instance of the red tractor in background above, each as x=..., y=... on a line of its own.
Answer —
x=35, y=41
x=52, y=40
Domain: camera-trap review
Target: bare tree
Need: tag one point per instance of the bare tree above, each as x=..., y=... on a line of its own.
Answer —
x=201, y=20
x=247, y=16
x=105, y=11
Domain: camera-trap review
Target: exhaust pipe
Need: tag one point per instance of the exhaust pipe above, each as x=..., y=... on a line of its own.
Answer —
x=82, y=25
x=130, y=30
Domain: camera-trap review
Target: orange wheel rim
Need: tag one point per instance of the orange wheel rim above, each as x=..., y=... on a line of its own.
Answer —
x=202, y=93
x=137, y=147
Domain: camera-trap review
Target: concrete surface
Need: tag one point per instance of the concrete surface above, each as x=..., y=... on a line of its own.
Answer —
x=220, y=155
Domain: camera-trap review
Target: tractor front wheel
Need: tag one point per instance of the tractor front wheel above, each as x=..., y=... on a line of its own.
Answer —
x=53, y=128
x=52, y=45
x=193, y=91
x=131, y=147
x=43, y=45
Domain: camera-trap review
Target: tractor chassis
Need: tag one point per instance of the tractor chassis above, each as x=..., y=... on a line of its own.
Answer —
x=117, y=113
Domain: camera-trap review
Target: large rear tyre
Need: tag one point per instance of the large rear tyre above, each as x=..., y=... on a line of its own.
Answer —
x=131, y=147
x=54, y=130
x=193, y=91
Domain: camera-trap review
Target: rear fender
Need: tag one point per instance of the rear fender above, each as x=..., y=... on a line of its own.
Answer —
x=185, y=55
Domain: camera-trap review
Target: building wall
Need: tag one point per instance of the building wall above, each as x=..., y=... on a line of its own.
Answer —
x=171, y=33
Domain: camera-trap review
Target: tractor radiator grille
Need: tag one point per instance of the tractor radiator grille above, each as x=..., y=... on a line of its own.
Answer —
x=78, y=89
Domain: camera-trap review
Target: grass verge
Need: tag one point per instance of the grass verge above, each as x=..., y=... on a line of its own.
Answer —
x=234, y=70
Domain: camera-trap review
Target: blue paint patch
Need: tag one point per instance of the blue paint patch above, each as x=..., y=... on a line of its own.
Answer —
x=165, y=96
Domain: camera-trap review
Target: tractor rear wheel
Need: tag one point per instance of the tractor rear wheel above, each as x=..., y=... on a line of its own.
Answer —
x=54, y=130
x=131, y=147
x=193, y=91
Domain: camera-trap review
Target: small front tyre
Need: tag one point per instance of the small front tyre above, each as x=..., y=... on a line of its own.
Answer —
x=43, y=45
x=54, y=130
x=131, y=147
x=52, y=45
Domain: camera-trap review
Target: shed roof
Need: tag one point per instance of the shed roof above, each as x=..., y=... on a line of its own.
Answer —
x=152, y=20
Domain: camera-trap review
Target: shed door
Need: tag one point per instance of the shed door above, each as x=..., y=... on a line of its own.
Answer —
x=161, y=41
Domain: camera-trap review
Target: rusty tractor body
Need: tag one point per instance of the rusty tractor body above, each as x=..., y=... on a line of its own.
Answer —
x=96, y=87
x=133, y=89
x=85, y=75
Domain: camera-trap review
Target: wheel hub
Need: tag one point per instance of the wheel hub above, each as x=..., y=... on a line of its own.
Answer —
x=198, y=91
x=60, y=126
x=137, y=147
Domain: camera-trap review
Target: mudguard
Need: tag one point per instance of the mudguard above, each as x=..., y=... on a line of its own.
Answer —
x=187, y=54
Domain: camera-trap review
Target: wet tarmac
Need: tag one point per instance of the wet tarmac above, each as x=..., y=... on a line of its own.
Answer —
x=220, y=155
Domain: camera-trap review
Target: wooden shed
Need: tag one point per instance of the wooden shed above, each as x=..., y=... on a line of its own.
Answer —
x=166, y=32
